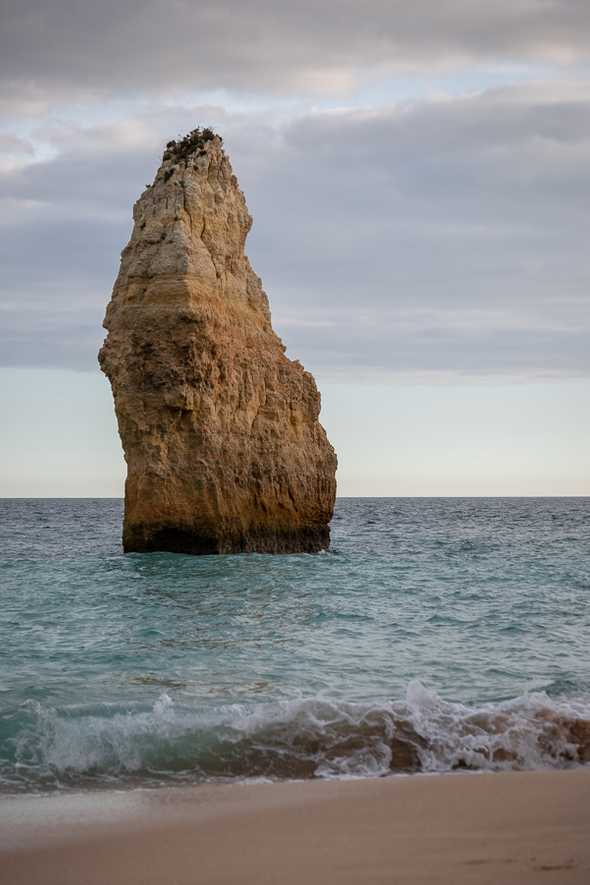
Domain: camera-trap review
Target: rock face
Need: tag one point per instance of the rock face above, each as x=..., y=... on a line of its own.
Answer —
x=220, y=429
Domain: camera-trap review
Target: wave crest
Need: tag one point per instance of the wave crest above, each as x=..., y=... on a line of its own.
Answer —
x=45, y=747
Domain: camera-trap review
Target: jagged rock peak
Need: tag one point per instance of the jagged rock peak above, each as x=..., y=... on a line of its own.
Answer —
x=220, y=430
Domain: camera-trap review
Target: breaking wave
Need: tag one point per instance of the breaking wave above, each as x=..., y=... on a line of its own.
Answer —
x=44, y=748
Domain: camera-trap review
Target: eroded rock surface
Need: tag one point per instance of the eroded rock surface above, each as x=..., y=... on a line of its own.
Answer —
x=220, y=430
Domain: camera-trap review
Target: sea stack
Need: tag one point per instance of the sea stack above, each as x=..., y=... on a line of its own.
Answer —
x=220, y=430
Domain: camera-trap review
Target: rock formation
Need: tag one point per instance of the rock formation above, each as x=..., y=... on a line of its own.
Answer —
x=220, y=429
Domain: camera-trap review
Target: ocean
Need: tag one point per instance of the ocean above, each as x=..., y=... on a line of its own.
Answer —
x=436, y=634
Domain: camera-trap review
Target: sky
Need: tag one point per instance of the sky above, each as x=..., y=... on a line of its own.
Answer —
x=419, y=178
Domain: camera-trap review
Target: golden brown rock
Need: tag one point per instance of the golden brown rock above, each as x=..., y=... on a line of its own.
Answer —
x=220, y=429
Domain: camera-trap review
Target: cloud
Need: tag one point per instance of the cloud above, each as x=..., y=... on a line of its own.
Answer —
x=67, y=48
x=428, y=237
x=13, y=145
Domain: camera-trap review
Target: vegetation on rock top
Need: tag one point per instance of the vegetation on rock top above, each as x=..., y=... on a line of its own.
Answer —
x=192, y=143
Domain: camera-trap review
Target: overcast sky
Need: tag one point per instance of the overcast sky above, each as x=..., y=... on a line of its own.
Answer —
x=419, y=177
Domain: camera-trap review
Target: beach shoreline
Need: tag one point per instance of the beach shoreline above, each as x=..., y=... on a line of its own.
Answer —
x=516, y=827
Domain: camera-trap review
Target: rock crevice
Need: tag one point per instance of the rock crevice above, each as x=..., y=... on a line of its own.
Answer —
x=220, y=430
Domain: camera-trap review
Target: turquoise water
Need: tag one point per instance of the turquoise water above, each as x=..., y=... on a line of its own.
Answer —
x=446, y=629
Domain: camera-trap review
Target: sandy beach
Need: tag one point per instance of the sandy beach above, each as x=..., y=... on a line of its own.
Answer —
x=526, y=827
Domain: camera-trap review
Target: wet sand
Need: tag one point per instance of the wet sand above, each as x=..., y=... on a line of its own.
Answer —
x=501, y=829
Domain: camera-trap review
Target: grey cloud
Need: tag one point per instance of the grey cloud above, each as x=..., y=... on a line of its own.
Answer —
x=13, y=145
x=387, y=349
x=421, y=204
x=63, y=47
x=436, y=237
x=60, y=343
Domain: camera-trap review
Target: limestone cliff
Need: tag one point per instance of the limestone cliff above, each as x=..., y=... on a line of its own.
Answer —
x=220, y=430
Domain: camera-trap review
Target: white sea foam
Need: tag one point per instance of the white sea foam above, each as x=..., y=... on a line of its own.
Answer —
x=292, y=739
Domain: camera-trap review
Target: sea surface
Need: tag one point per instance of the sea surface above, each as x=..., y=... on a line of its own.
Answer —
x=435, y=634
